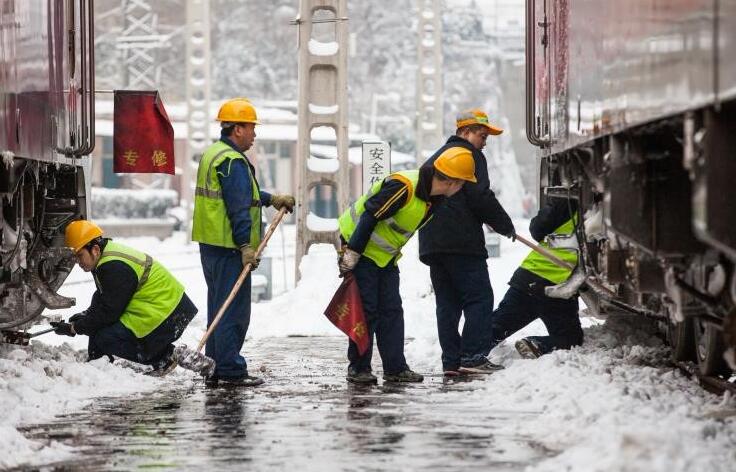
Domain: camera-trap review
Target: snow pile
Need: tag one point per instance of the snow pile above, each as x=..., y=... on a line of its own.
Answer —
x=39, y=381
x=615, y=404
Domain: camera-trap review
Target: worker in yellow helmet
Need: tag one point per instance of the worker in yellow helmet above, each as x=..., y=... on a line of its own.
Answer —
x=373, y=231
x=454, y=248
x=227, y=225
x=139, y=308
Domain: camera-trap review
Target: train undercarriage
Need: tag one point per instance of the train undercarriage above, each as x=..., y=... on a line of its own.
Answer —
x=659, y=232
x=39, y=199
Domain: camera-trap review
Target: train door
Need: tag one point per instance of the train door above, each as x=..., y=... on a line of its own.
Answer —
x=73, y=78
x=537, y=72
x=8, y=135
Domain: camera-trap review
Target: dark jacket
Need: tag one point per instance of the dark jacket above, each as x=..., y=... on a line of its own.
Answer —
x=116, y=284
x=554, y=213
x=457, y=226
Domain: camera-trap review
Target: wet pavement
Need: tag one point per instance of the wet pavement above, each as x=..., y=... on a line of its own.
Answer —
x=305, y=416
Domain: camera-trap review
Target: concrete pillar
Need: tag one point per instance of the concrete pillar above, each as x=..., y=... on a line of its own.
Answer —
x=323, y=52
x=429, y=132
x=198, y=94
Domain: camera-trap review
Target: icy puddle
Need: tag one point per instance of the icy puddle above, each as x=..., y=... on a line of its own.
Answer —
x=305, y=417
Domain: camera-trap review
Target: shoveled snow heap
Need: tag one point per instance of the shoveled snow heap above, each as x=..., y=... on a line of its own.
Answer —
x=40, y=381
x=612, y=404
x=616, y=404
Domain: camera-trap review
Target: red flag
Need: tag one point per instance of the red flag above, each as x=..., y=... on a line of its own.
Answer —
x=346, y=312
x=143, y=136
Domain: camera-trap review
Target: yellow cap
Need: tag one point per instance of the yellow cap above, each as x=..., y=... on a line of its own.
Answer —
x=457, y=163
x=79, y=233
x=476, y=117
x=237, y=110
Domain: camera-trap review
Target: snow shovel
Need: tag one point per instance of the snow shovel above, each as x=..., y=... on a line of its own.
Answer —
x=569, y=287
x=194, y=360
x=543, y=251
x=578, y=277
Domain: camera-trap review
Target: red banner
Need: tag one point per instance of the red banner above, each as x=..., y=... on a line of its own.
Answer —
x=346, y=312
x=143, y=136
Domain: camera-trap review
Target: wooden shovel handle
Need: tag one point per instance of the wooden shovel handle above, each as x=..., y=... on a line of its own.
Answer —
x=246, y=270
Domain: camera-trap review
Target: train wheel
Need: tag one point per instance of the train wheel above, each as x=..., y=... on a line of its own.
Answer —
x=709, y=348
x=682, y=340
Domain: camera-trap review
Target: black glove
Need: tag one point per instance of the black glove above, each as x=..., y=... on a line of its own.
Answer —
x=78, y=316
x=63, y=328
x=512, y=235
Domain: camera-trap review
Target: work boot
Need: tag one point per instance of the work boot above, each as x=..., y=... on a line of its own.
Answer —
x=528, y=348
x=486, y=367
x=449, y=372
x=364, y=377
x=406, y=375
x=244, y=381
x=163, y=369
x=194, y=361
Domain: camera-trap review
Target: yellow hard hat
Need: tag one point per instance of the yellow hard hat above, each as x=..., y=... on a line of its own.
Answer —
x=238, y=110
x=79, y=233
x=457, y=163
x=476, y=117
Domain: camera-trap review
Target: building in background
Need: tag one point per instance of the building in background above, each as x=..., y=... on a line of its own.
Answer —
x=274, y=153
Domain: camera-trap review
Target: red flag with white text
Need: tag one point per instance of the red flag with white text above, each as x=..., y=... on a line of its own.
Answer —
x=346, y=312
x=142, y=134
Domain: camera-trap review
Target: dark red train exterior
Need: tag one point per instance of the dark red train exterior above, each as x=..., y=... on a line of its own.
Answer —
x=46, y=136
x=633, y=103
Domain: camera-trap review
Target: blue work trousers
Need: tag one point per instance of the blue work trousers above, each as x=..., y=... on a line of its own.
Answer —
x=519, y=308
x=462, y=286
x=221, y=270
x=153, y=349
x=379, y=292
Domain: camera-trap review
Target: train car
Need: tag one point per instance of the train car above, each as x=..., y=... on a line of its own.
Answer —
x=46, y=136
x=633, y=106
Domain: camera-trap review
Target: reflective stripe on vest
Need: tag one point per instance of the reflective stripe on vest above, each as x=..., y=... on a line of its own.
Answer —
x=211, y=224
x=157, y=294
x=541, y=266
x=389, y=235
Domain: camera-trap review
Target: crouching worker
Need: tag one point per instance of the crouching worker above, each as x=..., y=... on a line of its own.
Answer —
x=525, y=300
x=373, y=230
x=139, y=308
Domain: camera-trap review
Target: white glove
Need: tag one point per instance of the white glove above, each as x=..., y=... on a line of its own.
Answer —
x=348, y=260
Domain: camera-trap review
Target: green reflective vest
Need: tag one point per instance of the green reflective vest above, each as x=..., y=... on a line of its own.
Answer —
x=389, y=235
x=211, y=224
x=543, y=267
x=158, y=292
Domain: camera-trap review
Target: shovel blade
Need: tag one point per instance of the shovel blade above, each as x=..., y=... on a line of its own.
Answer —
x=194, y=360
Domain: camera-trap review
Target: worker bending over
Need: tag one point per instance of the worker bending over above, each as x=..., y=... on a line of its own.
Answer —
x=138, y=310
x=526, y=300
x=373, y=230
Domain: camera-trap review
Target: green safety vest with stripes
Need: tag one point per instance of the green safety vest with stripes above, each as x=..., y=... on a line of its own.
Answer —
x=158, y=292
x=211, y=224
x=389, y=235
x=540, y=265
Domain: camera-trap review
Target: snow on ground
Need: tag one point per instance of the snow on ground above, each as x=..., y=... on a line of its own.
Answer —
x=40, y=381
x=608, y=405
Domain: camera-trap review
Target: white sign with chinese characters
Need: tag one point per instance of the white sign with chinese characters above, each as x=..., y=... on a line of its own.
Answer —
x=376, y=162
